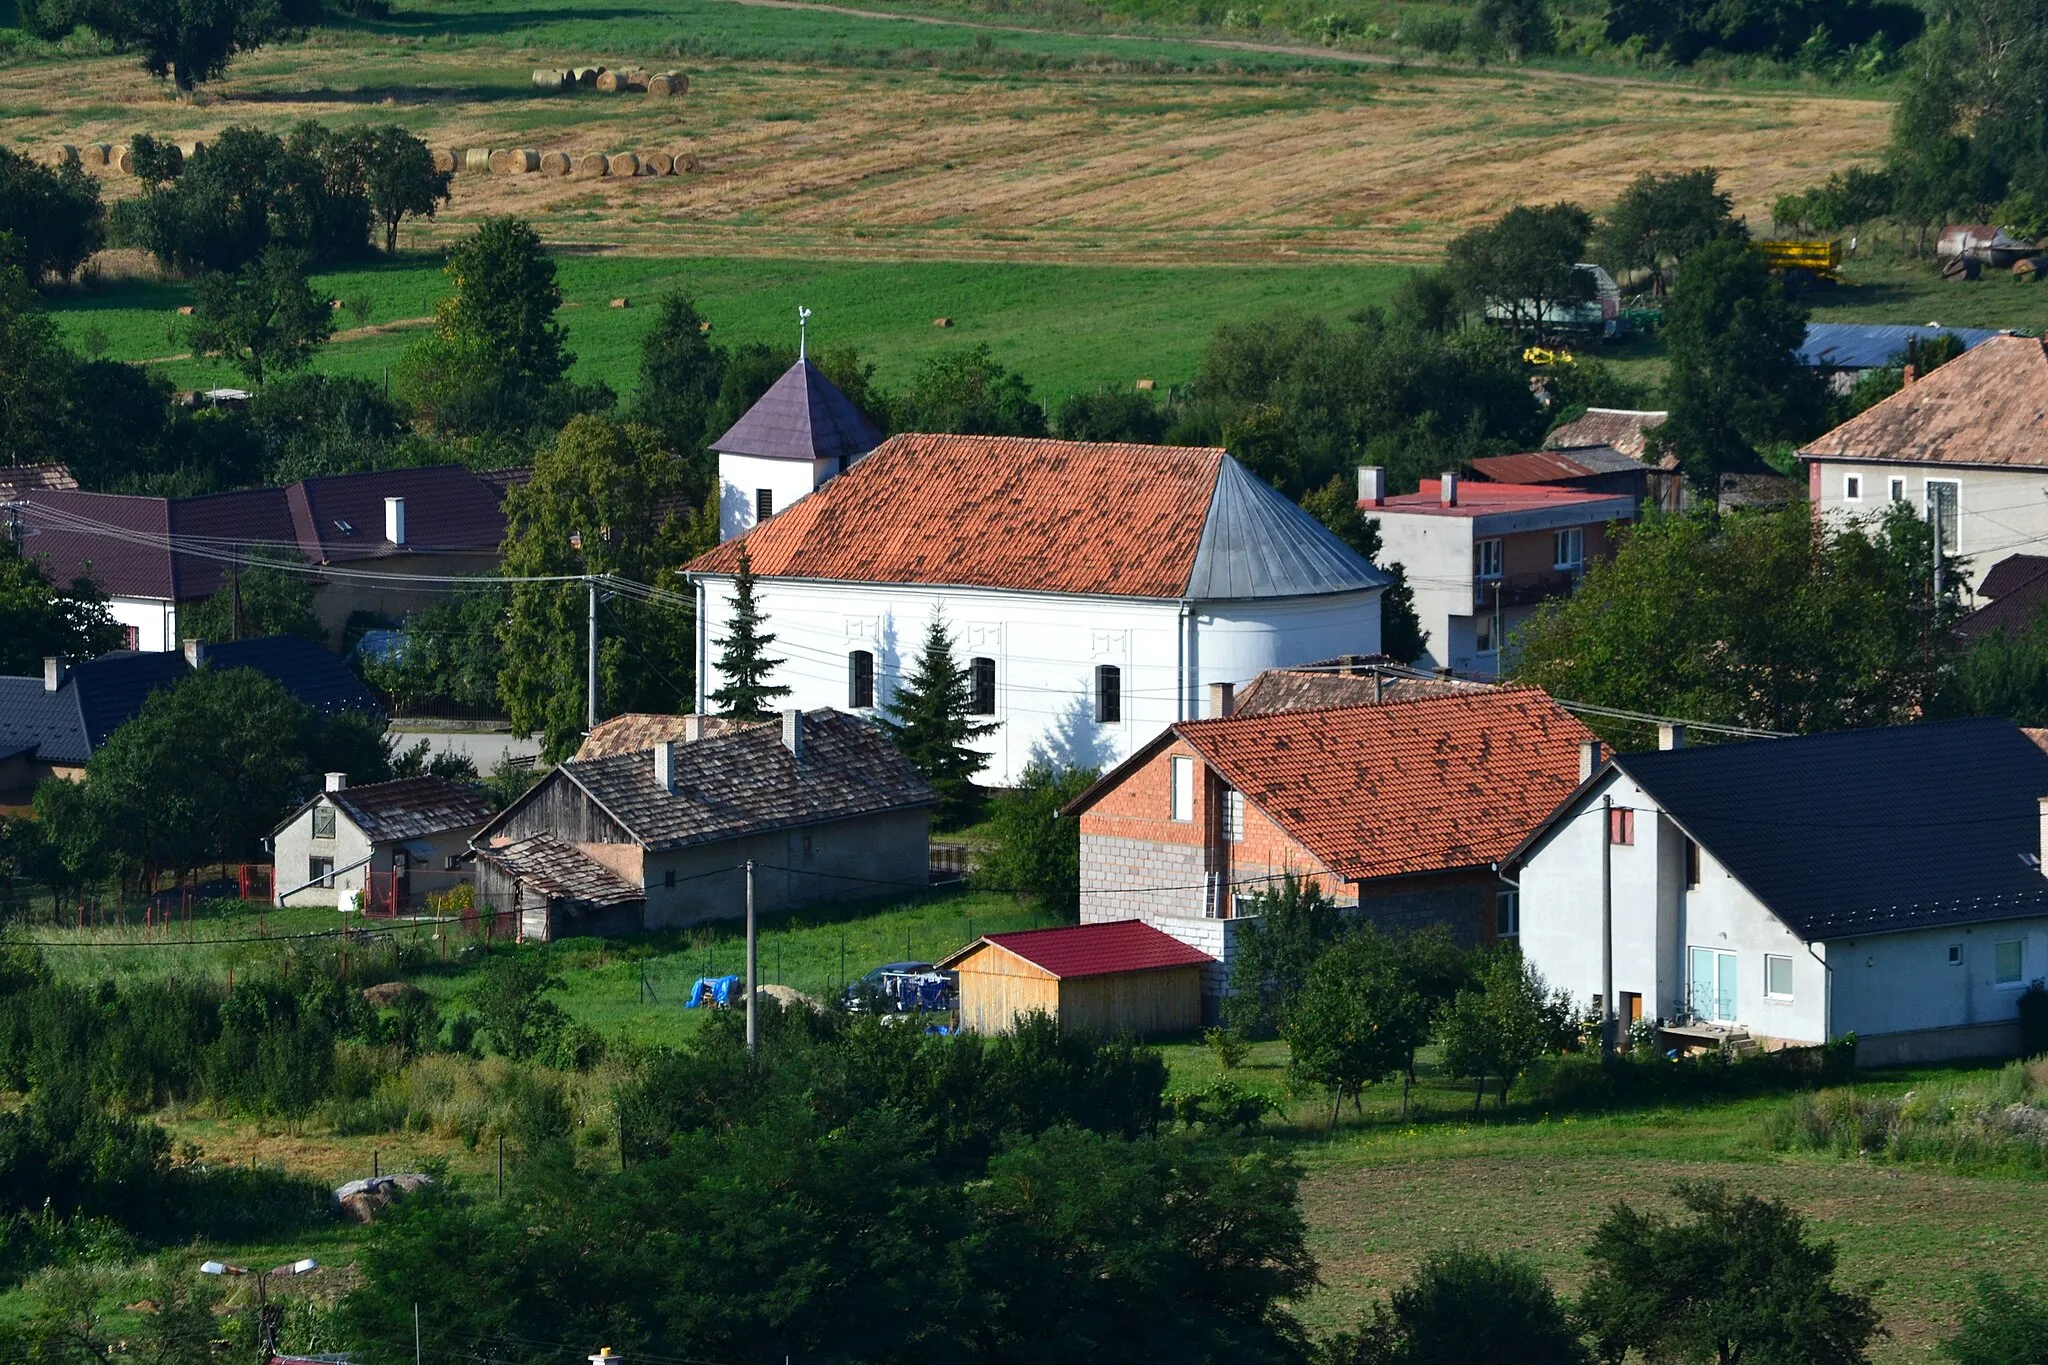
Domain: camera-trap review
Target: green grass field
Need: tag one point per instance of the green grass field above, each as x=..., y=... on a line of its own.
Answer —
x=1066, y=328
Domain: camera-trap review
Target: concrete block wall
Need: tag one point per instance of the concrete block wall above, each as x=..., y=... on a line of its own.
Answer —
x=1123, y=878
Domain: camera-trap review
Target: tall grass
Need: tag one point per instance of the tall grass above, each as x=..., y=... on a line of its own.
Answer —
x=1989, y=1122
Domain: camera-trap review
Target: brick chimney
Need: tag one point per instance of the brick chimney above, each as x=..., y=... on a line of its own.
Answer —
x=1589, y=758
x=394, y=520
x=665, y=766
x=1908, y=375
x=1372, y=485
x=195, y=653
x=1447, y=490
x=793, y=732
x=1222, y=698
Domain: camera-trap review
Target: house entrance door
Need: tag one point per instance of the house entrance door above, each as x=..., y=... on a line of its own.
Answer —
x=1713, y=986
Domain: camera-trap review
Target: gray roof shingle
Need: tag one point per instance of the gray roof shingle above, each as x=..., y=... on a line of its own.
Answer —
x=558, y=871
x=411, y=808
x=748, y=783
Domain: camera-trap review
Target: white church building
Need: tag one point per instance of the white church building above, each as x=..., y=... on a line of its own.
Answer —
x=1094, y=591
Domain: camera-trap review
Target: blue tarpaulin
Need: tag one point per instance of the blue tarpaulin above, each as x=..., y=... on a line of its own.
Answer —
x=713, y=990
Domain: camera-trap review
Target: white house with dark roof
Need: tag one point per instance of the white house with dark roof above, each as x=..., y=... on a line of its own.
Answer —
x=802, y=433
x=823, y=804
x=394, y=843
x=1093, y=590
x=1885, y=883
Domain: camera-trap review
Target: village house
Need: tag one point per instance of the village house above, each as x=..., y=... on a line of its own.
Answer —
x=52, y=725
x=822, y=805
x=1795, y=891
x=152, y=555
x=1966, y=445
x=801, y=434
x=1482, y=557
x=2013, y=598
x=383, y=847
x=1119, y=977
x=1092, y=590
x=1404, y=809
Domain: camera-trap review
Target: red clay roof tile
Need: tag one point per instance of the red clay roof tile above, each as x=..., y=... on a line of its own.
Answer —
x=1426, y=785
x=1097, y=949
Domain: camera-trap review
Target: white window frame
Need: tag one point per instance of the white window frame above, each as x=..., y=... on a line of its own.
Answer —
x=321, y=871
x=1568, y=548
x=2019, y=970
x=1725, y=986
x=1895, y=489
x=1181, y=776
x=1950, y=544
x=1771, y=962
x=1507, y=913
x=1852, y=488
x=1487, y=558
x=1955, y=954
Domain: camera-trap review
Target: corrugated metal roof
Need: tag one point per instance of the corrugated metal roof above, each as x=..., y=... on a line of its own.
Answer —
x=1255, y=543
x=1872, y=346
x=1094, y=949
x=803, y=416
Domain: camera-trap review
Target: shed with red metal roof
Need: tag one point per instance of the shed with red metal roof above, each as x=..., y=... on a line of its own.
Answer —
x=1120, y=977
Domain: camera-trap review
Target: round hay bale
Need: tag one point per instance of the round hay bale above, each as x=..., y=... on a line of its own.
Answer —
x=624, y=164
x=657, y=163
x=593, y=163
x=681, y=82
x=548, y=81
x=666, y=85
x=99, y=154
x=447, y=159
x=477, y=159
x=586, y=76
x=188, y=150
x=636, y=79
x=63, y=154
x=529, y=160
x=621, y=303
x=501, y=162
x=555, y=163
x=611, y=82
x=942, y=322
x=124, y=160
x=686, y=162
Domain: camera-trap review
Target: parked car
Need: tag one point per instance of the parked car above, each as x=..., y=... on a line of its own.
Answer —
x=903, y=988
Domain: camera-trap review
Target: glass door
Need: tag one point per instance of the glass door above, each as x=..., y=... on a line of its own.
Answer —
x=1713, y=986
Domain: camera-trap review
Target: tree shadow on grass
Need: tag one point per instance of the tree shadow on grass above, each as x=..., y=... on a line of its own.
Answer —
x=501, y=19
x=396, y=94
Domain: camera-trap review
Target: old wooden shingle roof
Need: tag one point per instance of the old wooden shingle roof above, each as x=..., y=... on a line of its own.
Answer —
x=411, y=808
x=637, y=730
x=560, y=872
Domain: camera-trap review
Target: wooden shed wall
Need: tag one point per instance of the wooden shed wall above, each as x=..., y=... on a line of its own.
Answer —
x=997, y=986
x=559, y=807
x=1165, y=1000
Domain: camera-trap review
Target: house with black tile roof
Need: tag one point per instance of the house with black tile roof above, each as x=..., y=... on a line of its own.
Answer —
x=822, y=805
x=1885, y=883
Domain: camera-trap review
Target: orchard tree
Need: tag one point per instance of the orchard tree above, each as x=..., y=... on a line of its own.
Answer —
x=1662, y=218
x=1738, y=1280
x=1462, y=1307
x=39, y=620
x=743, y=658
x=931, y=719
x=264, y=319
x=1736, y=383
x=1756, y=619
x=602, y=500
x=1502, y=1022
x=1335, y=505
x=191, y=41
x=400, y=178
x=1356, y=1020
x=1524, y=266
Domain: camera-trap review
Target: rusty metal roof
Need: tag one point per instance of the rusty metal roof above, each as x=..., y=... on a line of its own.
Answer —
x=1988, y=406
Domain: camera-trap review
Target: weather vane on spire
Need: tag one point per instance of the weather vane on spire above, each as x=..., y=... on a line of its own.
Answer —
x=803, y=331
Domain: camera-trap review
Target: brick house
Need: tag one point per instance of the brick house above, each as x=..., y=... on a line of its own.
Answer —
x=1404, y=809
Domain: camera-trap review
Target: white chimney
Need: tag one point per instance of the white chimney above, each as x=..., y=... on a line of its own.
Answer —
x=793, y=732
x=1447, y=491
x=195, y=653
x=337, y=782
x=693, y=728
x=1589, y=758
x=1671, y=736
x=53, y=673
x=665, y=766
x=1222, y=698
x=2044, y=836
x=394, y=520
x=1372, y=485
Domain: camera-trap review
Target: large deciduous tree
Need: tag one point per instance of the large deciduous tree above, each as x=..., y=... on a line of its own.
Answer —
x=1737, y=384
x=1035, y=850
x=36, y=375
x=1738, y=1280
x=681, y=374
x=603, y=500
x=1662, y=218
x=1289, y=927
x=191, y=41
x=1523, y=267
x=400, y=178
x=263, y=319
x=1757, y=618
x=1462, y=1307
x=972, y=393
x=931, y=720
x=39, y=620
x=53, y=215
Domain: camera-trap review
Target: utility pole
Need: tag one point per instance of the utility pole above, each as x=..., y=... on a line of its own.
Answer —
x=415, y=1334
x=1934, y=521
x=590, y=682
x=753, y=1031
x=1607, y=928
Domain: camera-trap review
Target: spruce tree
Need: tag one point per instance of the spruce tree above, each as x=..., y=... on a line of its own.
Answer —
x=930, y=723
x=743, y=655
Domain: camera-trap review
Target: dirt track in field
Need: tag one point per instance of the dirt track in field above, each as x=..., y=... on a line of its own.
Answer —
x=1059, y=165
